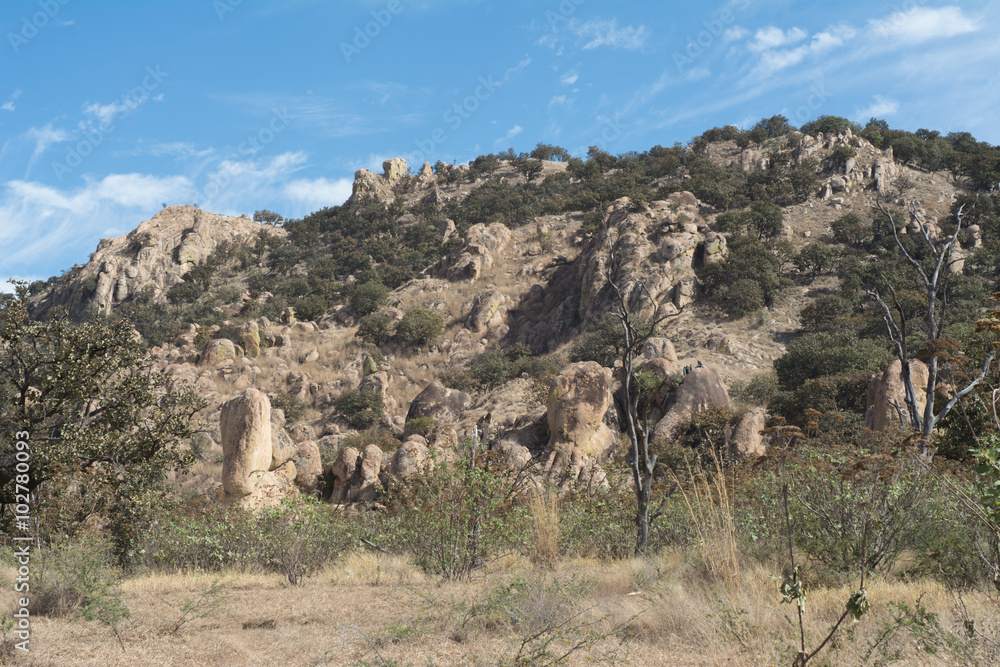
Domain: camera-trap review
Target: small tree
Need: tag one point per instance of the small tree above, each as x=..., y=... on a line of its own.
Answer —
x=641, y=461
x=935, y=349
x=266, y=217
x=814, y=259
x=419, y=326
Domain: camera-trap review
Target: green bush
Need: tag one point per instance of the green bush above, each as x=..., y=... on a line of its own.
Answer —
x=418, y=327
x=457, y=517
x=814, y=259
x=825, y=313
x=375, y=329
x=758, y=390
x=604, y=340
x=309, y=308
x=367, y=298
x=293, y=406
x=491, y=368
x=361, y=409
x=851, y=230
x=816, y=355
x=377, y=435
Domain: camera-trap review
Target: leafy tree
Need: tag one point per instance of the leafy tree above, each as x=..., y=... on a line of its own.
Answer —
x=102, y=428
x=419, y=326
x=825, y=312
x=361, y=408
x=375, y=328
x=549, y=152
x=748, y=261
x=823, y=354
x=775, y=126
x=366, y=298
x=603, y=341
x=763, y=219
x=851, y=230
x=266, y=217
x=830, y=124
x=876, y=132
x=813, y=259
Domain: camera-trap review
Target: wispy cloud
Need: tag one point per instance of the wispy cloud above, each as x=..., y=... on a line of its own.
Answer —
x=774, y=60
x=921, y=24
x=879, y=108
x=597, y=33
x=773, y=37
x=569, y=78
x=9, y=104
x=44, y=137
x=319, y=192
x=511, y=133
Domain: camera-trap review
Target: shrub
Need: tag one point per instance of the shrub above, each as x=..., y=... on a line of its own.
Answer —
x=758, y=390
x=375, y=329
x=377, y=435
x=822, y=354
x=825, y=312
x=367, y=298
x=419, y=326
x=293, y=406
x=851, y=230
x=309, y=308
x=76, y=578
x=814, y=259
x=361, y=409
x=491, y=368
x=88, y=287
x=458, y=516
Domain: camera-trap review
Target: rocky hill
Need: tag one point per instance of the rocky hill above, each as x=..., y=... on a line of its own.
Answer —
x=513, y=256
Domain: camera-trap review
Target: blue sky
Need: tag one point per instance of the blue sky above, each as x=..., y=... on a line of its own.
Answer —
x=109, y=108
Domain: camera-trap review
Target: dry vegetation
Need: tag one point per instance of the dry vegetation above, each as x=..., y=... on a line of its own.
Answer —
x=371, y=609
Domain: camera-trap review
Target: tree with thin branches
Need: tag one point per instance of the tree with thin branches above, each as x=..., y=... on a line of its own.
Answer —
x=630, y=404
x=936, y=349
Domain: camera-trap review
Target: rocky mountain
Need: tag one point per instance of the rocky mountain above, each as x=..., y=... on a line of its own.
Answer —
x=500, y=280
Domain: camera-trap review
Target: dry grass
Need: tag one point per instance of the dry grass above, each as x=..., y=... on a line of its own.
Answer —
x=545, y=527
x=379, y=610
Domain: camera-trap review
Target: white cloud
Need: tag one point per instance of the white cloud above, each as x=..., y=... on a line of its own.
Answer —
x=569, y=78
x=559, y=101
x=44, y=137
x=734, y=34
x=105, y=113
x=879, y=108
x=924, y=23
x=775, y=60
x=9, y=104
x=773, y=37
x=319, y=192
x=513, y=132
x=607, y=33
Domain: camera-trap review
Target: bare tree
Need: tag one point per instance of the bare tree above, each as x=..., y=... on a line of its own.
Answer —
x=935, y=348
x=641, y=460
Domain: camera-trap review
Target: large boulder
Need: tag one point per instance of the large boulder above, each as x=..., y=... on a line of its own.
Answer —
x=308, y=466
x=216, y=350
x=886, y=395
x=488, y=310
x=355, y=475
x=700, y=388
x=245, y=422
x=440, y=403
x=410, y=458
x=579, y=397
x=747, y=439
x=478, y=251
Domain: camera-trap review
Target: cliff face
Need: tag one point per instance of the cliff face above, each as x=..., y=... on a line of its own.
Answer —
x=155, y=255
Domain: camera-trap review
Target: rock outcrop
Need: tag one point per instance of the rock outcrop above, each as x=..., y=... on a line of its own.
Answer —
x=155, y=256
x=355, y=475
x=886, y=396
x=380, y=185
x=477, y=253
x=245, y=422
x=700, y=388
x=662, y=245
x=442, y=404
x=579, y=397
x=746, y=440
